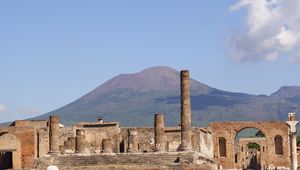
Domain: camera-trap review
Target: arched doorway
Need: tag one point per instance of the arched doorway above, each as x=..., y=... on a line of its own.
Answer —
x=249, y=146
x=10, y=152
x=273, y=150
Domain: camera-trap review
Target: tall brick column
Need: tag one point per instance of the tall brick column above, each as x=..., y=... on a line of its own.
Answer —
x=80, y=141
x=186, y=139
x=159, y=132
x=54, y=135
x=133, y=145
x=292, y=122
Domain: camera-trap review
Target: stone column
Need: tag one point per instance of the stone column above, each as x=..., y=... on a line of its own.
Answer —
x=159, y=132
x=107, y=146
x=80, y=141
x=73, y=143
x=133, y=145
x=293, y=139
x=186, y=136
x=54, y=135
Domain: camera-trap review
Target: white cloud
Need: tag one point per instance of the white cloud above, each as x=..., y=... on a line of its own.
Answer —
x=28, y=111
x=273, y=29
x=2, y=108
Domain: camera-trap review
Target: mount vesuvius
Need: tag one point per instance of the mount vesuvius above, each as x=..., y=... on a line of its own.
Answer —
x=133, y=99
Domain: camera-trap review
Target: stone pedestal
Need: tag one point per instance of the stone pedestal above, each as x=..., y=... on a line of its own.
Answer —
x=186, y=137
x=159, y=132
x=54, y=135
x=107, y=146
x=80, y=141
x=133, y=145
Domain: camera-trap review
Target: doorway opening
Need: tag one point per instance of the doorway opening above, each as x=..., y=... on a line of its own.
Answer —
x=6, y=161
x=249, y=146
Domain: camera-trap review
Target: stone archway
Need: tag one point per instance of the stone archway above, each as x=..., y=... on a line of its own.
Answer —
x=10, y=144
x=229, y=130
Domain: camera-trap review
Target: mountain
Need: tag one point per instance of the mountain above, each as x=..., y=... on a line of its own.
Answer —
x=133, y=99
x=288, y=92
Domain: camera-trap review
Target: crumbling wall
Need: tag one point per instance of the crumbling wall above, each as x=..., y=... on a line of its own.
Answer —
x=145, y=138
x=229, y=130
x=64, y=133
x=37, y=124
x=43, y=141
x=9, y=142
x=95, y=135
x=173, y=138
x=244, y=152
x=201, y=139
x=26, y=136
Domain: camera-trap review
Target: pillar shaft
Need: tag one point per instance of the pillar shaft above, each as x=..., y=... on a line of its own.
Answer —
x=159, y=132
x=73, y=143
x=294, y=162
x=133, y=145
x=80, y=141
x=185, y=111
x=107, y=146
x=54, y=134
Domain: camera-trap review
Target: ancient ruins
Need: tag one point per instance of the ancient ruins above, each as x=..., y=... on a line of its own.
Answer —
x=37, y=144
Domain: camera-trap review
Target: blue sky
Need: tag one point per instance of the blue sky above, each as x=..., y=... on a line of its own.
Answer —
x=53, y=52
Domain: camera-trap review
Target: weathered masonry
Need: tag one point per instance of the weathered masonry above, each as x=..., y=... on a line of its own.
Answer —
x=274, y=146
x=40, y=143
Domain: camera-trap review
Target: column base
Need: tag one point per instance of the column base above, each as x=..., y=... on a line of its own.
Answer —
x=183, y=148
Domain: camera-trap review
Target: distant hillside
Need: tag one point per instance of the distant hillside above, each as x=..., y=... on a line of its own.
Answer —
x=133, y=99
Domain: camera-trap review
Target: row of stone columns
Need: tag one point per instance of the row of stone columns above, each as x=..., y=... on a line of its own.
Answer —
x=73, y=144
x=133, y=142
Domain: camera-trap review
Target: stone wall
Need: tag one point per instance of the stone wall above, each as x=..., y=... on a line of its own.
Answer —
x=43, y=142
x=65, y=133
x=96, y=132
x=229, y=130
x=26, y=136
x=145, y=138
x=37, y=124
x=244, y=155
x=201, y=139
x=206, y=143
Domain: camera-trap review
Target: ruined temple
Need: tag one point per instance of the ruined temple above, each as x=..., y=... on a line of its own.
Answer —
x=37, y=144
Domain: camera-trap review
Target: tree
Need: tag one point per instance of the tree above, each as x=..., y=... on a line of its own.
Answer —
x=259, y=134
x=254, y=146
x=298, y=140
